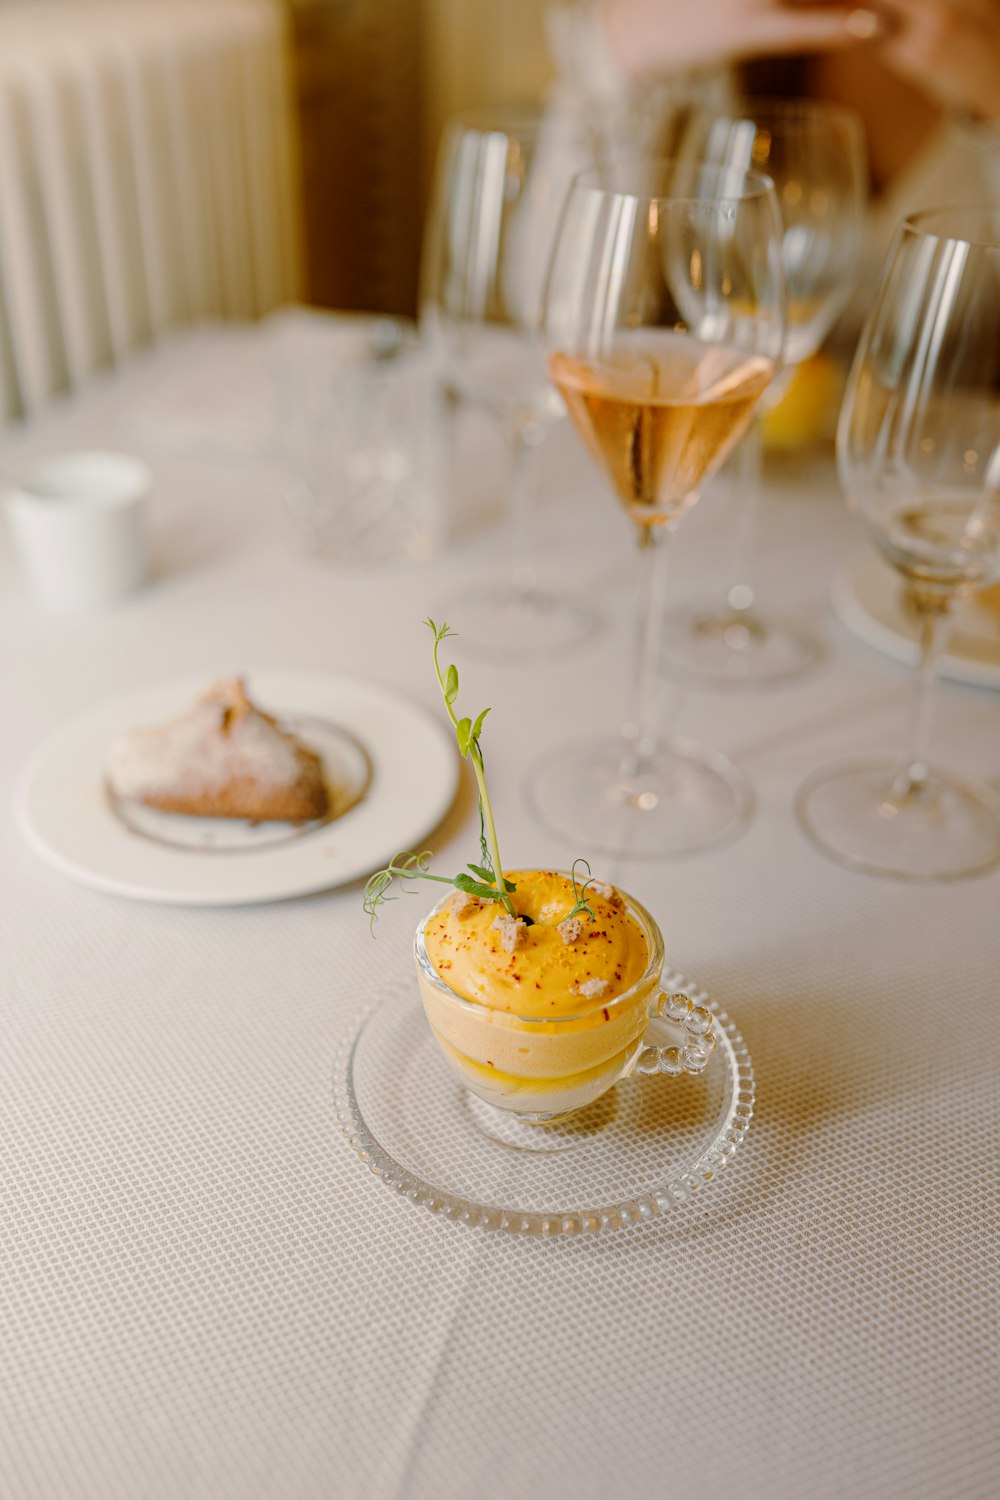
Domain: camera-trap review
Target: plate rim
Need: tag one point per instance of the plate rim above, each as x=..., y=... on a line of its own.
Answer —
x=854, y=614
x=290, y=888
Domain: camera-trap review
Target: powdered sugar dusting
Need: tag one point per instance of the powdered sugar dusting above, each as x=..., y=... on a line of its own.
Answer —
x=222, y=738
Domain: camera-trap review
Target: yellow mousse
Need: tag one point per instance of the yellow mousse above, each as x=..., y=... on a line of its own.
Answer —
x=543, y=976
x=546, y=1030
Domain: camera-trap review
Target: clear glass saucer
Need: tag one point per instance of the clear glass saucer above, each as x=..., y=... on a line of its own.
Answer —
x=637, y=1153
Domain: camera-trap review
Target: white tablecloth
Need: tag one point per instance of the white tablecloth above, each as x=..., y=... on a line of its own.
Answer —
x=205, y=1294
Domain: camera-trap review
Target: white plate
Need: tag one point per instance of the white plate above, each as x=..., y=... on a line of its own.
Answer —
x=372, y=735
x=868, y=597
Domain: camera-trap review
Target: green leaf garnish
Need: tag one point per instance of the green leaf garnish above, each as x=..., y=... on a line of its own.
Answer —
x=485, y=892
x=484, y=873
x=468, y=744
x=478, y=726
x=486, y=882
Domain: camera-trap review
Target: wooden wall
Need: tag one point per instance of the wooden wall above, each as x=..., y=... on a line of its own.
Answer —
x=375, y=80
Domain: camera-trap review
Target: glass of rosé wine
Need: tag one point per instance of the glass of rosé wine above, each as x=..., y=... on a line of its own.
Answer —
x=663, y=317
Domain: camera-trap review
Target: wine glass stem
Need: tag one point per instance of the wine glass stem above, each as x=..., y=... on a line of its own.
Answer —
x=638, y=733
x=934, y=617
x=741, y=596
x=525, y=435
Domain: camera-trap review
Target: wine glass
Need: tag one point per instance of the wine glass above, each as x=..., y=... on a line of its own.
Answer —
x=500, y=180
x=664, y=319
x=918, y=448
x=815, y=154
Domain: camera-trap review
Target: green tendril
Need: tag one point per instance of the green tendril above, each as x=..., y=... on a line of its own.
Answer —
x=403, y=867
x=580, y=892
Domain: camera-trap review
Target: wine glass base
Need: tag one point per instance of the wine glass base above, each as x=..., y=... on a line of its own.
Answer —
x=949, y=829
x=734, y=649
x=503, y=620
x=681, y=800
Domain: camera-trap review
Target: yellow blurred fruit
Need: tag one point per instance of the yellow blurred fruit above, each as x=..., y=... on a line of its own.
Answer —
x=807, y=411
x=989, y=598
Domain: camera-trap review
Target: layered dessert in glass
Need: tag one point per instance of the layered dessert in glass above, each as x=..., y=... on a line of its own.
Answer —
x=541, y=1011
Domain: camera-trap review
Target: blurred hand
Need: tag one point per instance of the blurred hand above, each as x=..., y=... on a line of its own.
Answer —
x=950, y=49
x=655, y=38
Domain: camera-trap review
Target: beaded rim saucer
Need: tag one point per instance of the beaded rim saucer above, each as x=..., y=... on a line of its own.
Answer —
x=729, y=1064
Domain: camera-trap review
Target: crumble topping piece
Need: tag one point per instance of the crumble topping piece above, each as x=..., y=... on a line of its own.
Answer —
x=609, y=893
x=461, y=903
x=511, y=929
x=592, y=989
x=569, y=929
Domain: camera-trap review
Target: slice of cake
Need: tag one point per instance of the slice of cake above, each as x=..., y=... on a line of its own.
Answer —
x=224, y=758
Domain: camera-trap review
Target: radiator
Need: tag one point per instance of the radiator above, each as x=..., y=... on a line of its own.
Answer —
x=147, y=179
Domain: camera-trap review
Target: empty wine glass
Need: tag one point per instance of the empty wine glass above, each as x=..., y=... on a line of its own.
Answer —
x=664, y=318
x=500, y=181
x=814, y=153
x=918, y=446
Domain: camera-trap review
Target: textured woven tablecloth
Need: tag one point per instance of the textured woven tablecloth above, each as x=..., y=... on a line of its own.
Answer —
x=204, y=1294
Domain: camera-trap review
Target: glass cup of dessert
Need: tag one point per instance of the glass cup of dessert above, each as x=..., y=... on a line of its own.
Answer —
x=538, y=1014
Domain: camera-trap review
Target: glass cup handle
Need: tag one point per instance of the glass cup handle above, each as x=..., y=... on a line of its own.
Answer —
x=698, y=1043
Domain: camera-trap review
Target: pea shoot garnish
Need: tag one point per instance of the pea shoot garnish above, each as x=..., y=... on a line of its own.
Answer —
x=486, y=881
x=580, y=892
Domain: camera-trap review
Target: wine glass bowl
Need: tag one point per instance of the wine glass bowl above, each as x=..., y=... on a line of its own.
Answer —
x=663, y=351
x=814, y=153
x=664, y=318
x=660, y=416
x=489, y=227
x=500, y=178
x=918, y=449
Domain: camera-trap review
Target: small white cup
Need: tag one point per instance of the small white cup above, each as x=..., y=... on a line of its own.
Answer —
x=79, y=524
